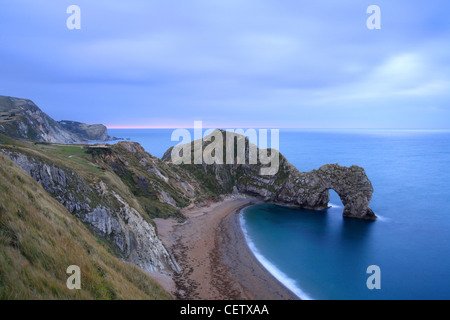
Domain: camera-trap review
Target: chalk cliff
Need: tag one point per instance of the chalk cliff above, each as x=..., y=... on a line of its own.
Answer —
x=22, y=119
x=100, y=206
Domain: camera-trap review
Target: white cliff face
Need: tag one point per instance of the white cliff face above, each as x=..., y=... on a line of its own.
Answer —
x=109, y=215
x=166, y=198
x=134, y=236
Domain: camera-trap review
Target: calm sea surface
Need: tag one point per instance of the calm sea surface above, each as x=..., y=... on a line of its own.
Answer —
x=319, y=254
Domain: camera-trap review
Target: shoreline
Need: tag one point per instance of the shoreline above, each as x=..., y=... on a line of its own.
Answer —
x=216, y=260
x=266, y=275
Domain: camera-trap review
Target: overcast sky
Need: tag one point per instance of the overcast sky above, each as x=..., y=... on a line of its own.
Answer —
x=231, y=63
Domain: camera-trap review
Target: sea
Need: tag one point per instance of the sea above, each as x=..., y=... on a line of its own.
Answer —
x=318, y=254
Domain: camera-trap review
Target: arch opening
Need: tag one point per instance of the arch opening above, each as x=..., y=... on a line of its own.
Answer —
x=334, y=199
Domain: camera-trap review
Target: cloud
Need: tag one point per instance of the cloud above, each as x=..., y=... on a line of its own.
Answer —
x=284, y=63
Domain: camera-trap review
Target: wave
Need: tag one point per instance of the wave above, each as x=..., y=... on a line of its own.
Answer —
x=381, y=218
x=289, y=283
x=333, y=205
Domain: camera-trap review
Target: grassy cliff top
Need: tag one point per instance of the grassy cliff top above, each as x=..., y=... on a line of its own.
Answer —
x=39, y=239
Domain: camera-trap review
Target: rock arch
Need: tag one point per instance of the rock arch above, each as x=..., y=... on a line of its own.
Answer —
x=290, y=186
x=350, y=183
x=310, y=190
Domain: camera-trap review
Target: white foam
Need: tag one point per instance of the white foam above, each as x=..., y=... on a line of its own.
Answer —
x=381, y=218
x=334, y=205
x=289, y=283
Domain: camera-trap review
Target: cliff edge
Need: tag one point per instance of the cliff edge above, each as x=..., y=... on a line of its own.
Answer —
x=22, y=119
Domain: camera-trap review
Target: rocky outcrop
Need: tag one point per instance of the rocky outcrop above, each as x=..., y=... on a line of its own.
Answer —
x=118, y=189
x=311, y=189
x=288, y=185
x=87, y=132
x=161, y=188
x=22, y=119
x=108, y=214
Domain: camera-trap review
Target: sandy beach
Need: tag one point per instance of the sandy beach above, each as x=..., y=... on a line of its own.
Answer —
x=215, y=259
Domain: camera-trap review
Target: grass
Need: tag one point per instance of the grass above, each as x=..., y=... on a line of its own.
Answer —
x=72, y=156
x=9, y=141
x=76, y=155
x=39, y=239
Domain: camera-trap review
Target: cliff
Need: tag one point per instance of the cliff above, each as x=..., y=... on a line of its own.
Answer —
x=39, y=239
x=97, y=197
x=116, y=190
x=86, y=132
x=288, y=185
x=22, y=119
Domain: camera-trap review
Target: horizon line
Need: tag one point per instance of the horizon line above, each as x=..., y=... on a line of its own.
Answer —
x=268, y=127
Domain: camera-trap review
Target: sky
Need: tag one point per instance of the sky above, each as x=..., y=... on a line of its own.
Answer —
x=231, y=63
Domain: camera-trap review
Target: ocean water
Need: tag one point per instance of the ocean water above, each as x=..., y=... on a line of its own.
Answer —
x=154, y=141
x=321, y=255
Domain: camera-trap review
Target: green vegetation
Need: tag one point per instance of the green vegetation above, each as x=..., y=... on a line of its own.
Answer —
x=208, y=179
x=73, y=156
x=39, y=239
x=9, y=141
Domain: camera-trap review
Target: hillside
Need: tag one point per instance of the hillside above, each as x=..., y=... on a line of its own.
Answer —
x=287, y=185
x=22, y=119
x=93, y=192
x=39, y=239
x=111, y=193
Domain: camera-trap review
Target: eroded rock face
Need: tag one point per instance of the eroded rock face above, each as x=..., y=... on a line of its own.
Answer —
x=311, y=189
x=289, y=185
x=109, y=215
x=22, y=119
x=86, y=132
